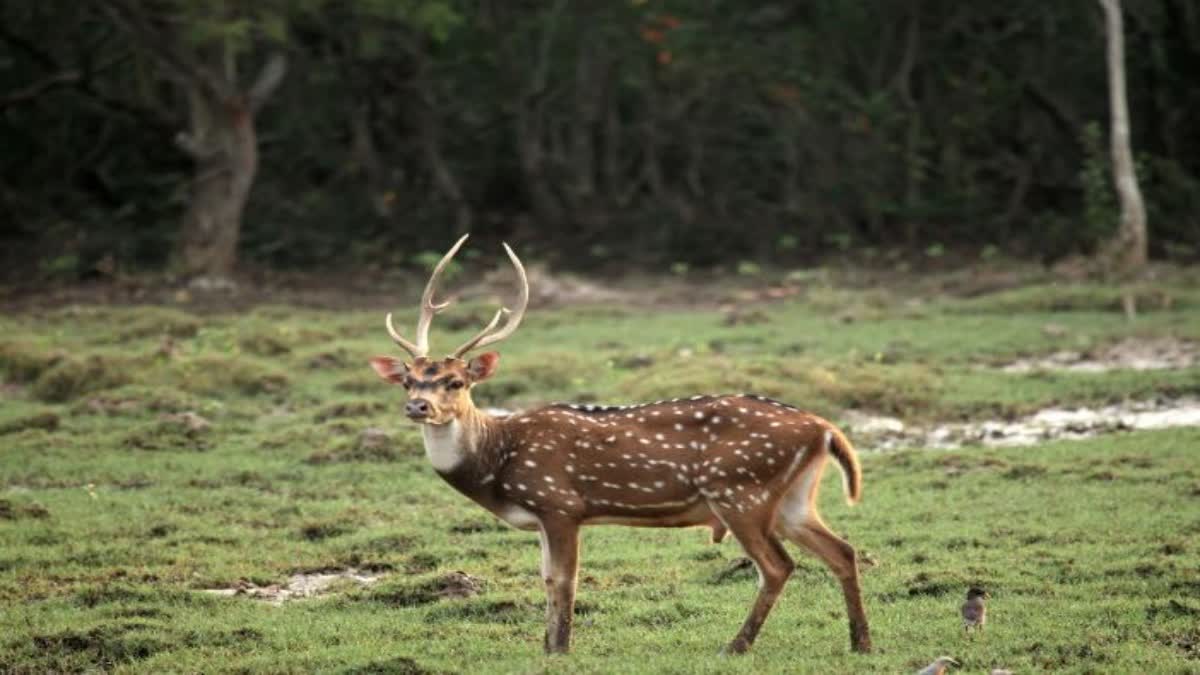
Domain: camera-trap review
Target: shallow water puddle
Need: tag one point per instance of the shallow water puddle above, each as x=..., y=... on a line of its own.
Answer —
x=298, y=586
x=888, y=433
x=1128, y=354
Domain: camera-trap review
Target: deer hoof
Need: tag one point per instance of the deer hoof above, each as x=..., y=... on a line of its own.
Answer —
x=738, y=646
x=551, y=649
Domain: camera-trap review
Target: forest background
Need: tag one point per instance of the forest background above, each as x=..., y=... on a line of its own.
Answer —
x=204, y=138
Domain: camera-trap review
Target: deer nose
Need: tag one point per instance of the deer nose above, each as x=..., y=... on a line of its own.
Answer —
x=417, y=409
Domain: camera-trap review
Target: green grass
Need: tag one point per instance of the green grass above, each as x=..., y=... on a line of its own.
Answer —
x=114, y=513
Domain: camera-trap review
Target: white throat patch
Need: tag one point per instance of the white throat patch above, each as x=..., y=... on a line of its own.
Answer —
x=444, y=445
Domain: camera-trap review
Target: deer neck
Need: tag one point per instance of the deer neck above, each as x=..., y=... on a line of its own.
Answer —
x=464, y=445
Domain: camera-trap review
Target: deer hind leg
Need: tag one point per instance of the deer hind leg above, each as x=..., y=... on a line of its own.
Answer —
x=842, y=560
x=753, y=531
x=560, y=566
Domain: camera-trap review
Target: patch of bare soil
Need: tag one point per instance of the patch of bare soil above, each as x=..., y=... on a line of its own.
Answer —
x=880, y=432
x=1128, y=354
x=546, y=288
x=298, y=586
x=373, y=290
x=459, y=584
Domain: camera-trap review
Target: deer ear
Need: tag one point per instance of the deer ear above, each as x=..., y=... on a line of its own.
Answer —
x=483, y=366
x=391, y=369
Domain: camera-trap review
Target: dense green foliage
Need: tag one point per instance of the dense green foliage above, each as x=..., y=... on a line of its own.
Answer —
x=644, y=130
x=116, y=509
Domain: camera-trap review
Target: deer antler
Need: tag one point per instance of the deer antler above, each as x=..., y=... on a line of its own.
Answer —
x=428, y=308
x=489, y=335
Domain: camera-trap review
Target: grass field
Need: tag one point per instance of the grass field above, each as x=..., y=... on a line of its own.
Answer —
x=117, y=507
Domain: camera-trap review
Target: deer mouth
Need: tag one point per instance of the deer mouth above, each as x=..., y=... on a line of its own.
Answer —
x=429, y=418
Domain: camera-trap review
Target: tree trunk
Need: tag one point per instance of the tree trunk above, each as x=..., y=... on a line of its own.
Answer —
x=1126, y=251
x=584, y=196
x=913, y=169
x=221, y=139
x=529, y=127
x=362, y=149
x=429, y=125
x=225, y=153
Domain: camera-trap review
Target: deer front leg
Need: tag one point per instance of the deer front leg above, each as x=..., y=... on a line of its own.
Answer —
x=560, y=564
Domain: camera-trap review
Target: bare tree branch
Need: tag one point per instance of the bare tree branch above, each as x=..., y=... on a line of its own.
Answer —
x=268, y=81
x=38, y=88
x=85, y=83
x=541, y=70
x=177, y=64
x=44, y=59
x=1063, y=116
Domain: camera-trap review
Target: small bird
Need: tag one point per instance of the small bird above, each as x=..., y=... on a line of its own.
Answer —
x=938, y=667
x=974, y=613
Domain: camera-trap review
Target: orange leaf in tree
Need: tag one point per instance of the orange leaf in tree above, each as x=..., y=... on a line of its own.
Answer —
x=669, y=21
x=664, y=57
x=652, y=35
x=783, y=92
x=858, y=123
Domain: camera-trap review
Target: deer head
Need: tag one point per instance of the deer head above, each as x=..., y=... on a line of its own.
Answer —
x=439, y=390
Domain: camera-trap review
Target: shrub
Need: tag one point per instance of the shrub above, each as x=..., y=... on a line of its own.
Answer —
x=25, y=363
x=219, y=376
x=72, y=377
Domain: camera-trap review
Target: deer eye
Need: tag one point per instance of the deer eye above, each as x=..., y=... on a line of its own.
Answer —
x=407, y=383
x=455, y=384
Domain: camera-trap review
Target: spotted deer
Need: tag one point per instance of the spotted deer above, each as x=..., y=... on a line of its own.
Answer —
x=745, y=465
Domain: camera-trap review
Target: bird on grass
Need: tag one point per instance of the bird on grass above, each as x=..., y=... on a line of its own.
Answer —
x=938, y=667
x=974, y=612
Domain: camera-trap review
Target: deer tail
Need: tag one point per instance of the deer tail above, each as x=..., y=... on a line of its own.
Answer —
x=839, y=446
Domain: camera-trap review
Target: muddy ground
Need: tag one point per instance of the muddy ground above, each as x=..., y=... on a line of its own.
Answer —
x=1152, y=353
x=881, y=432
